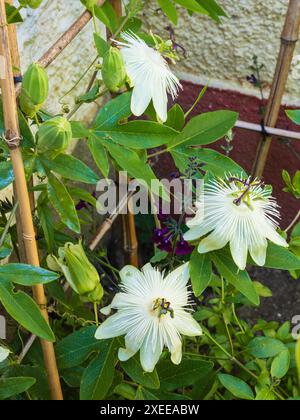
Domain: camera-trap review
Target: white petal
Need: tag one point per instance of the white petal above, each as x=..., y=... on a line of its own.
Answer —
x=186, y=324
x=125, y=354
x=196, y=232
x=274, y=237
x=172, y=340
x=212, y=243
x=160, y=101
x=259, y=253
x=106, y=310
x=141, y=97
x=151, y=350
x=239, y=252
x=178, y=277
x=4, y=353
x=114, y=326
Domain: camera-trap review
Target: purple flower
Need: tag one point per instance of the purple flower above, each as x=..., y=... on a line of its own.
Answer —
x=159, y=235
x=183, y=248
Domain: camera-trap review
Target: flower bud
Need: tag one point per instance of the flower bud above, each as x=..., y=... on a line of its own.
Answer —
x=113, y=69
x=35, y=88
x=54, y=136
x=33, y=4
x=78, y=271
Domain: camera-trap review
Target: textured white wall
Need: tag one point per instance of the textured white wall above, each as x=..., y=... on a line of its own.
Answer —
x=223, y=53
x=41, y=28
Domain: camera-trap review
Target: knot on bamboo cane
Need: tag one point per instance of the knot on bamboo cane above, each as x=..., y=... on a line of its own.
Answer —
x=289, y=41
x=28, y=237
x=12, y=139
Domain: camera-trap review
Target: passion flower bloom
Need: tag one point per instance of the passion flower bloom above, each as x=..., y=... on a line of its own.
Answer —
x=149, y=75
x=240, y=212
x=4, y=353
x=152, y=312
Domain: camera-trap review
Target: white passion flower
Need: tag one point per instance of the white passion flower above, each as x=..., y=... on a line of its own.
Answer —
x=4, y=353
x=149, y=74
x=152, y=312
x=240, y=212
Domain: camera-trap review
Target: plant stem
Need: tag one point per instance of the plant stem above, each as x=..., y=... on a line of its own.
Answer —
x=293, y=222
x=96, y=314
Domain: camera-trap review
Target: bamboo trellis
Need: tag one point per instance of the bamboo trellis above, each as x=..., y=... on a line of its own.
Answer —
x=289, y=38
x=13, y=138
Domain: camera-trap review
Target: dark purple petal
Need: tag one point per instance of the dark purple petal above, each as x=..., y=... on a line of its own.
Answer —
x=183, y=248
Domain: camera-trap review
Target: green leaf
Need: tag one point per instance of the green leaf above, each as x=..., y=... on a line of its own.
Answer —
x=239, y=279
x=134, y=369
x=13, y=16
x=201, y=272
x=169, y=9
x=6, y=174
x=25, y=311
x=131, y=162
x=40, y=390
x=107, y=15
x=187, y=373
x=79, y=131
x=281, y=364
x=98, y=376
x=7, y=247
x=9, y=387
x=176, y=118
x=101, y=45
x=281, y=258
x=205, y=129
x=265, y=347
x=236, y=386
x=99, y=155
x=265, y=394
x=192, y=5
x=294, y=115
x=138, y=134
x=213, y=9
x=112, y=112
x=26, y=275
x=46, y=220
x=63, y=203
x=74, y=349
x=71, y=168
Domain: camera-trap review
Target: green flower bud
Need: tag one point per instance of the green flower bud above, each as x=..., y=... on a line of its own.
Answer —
x=33, y=4
x=54, y=136
x=113, y=69
x=35, y=89
x=78, y=271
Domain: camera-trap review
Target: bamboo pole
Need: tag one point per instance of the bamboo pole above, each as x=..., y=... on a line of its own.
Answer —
x=289, y=39
x=13, y=141
x=269, y=131
x=12, y=34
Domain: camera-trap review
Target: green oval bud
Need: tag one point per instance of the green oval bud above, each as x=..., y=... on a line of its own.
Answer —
x=78, y=271
x=33, y=4
x=113, y=69
x=54, y=136
x=35, y=89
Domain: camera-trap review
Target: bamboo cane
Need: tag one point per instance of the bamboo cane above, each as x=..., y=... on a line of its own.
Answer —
x=13, y=141
x=12, y=34
x=289, y=38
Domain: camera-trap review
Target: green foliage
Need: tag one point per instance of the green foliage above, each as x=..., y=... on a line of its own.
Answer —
x=233, y=359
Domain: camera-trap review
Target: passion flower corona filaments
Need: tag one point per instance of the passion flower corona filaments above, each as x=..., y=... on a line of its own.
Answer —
x=240, y=212
x=149, y=75
x=152, y=313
